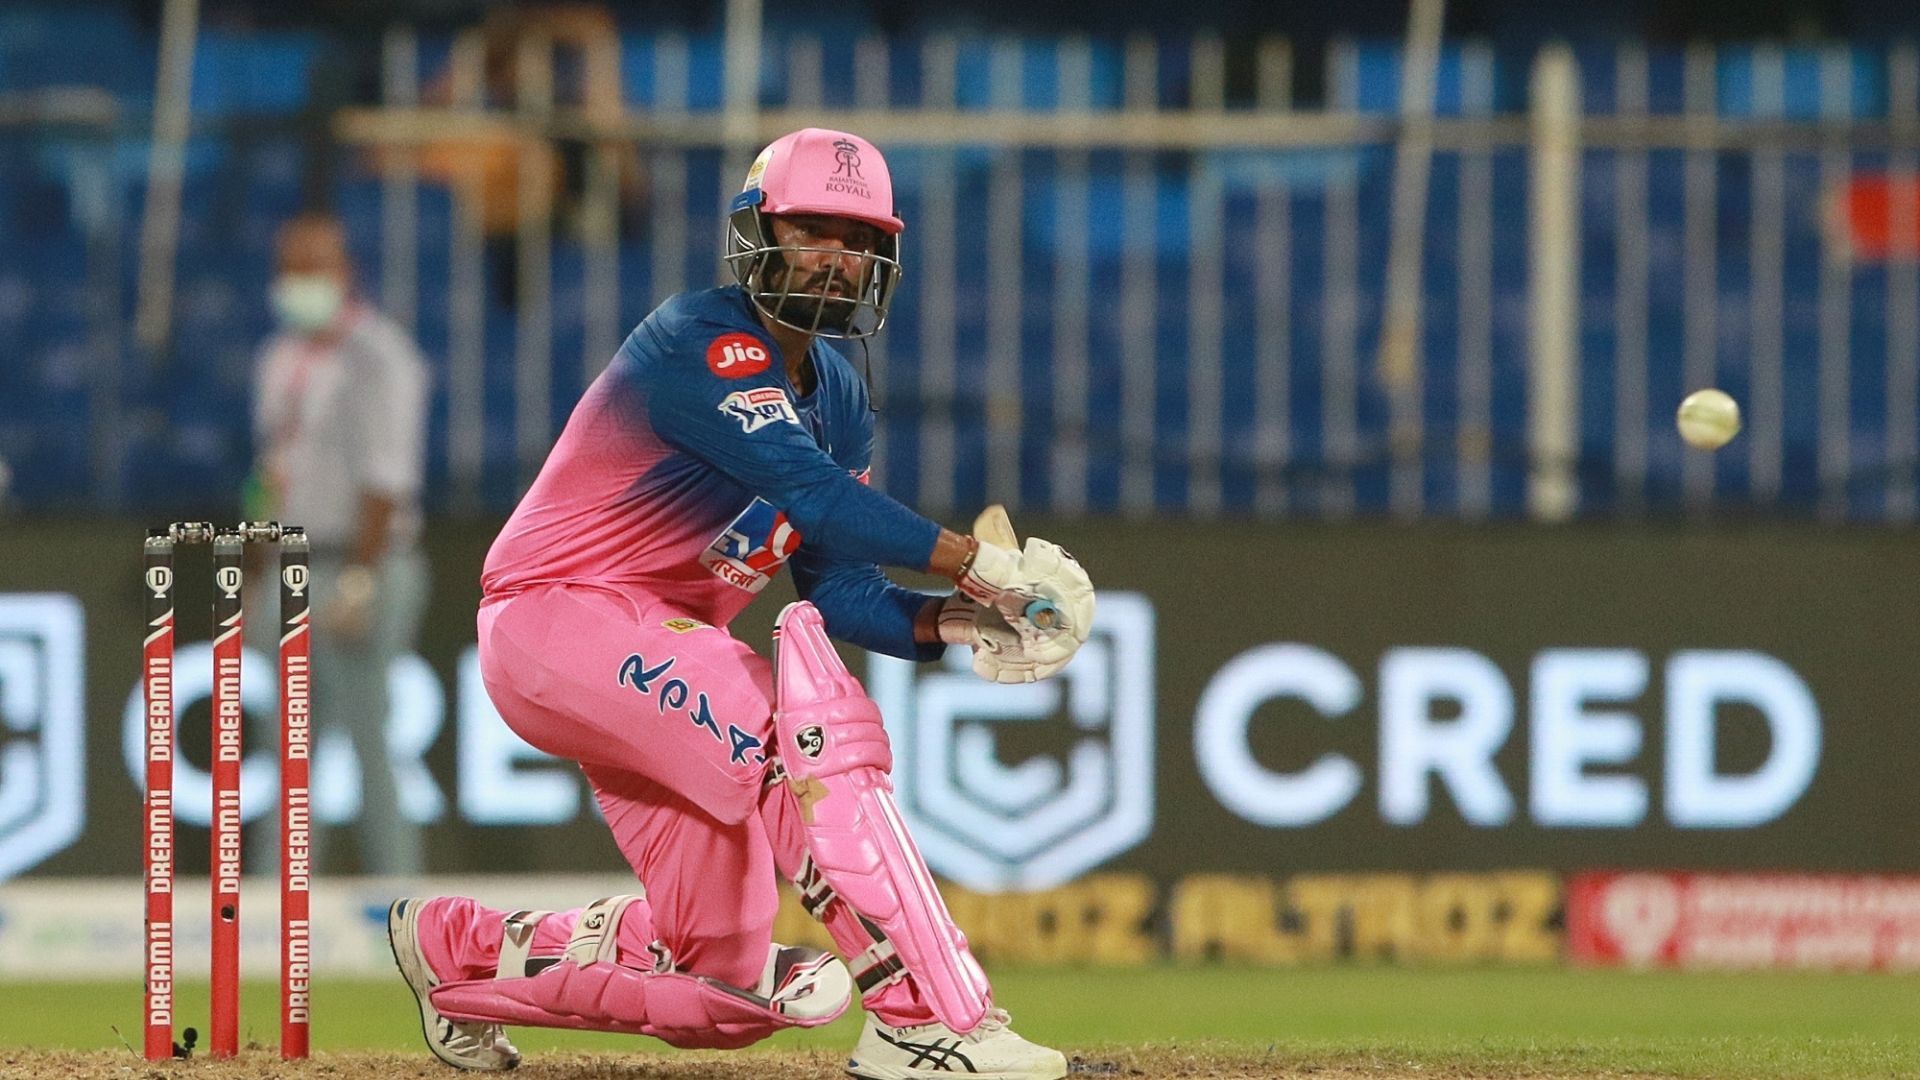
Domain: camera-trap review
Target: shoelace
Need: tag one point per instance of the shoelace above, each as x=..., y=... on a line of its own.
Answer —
x=993, y=1023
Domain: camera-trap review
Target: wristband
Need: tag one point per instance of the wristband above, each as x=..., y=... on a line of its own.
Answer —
x=987, y=567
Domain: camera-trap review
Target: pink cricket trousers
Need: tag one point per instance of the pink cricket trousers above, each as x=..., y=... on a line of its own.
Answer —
x=669, y=719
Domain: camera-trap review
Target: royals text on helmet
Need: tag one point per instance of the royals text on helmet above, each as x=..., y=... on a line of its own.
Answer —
x=831, y=173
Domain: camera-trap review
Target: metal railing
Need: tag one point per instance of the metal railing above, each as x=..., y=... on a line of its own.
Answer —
x=1141, y=279
x=1168, y=413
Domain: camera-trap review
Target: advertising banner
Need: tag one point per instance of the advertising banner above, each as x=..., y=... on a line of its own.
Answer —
x=1732, y=921
x=1257, y=700
x=56, y=928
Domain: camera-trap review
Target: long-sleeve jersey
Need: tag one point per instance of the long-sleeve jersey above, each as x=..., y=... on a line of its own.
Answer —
x=693, y=469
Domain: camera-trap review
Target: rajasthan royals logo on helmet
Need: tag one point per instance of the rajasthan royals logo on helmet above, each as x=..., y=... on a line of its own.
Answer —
x=846, y=177
x=846, y=158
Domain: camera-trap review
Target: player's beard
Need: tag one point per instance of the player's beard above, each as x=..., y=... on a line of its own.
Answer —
x=833, y=314
x=809, y=305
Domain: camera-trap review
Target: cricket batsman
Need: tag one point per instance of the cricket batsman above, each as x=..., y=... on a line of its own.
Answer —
x=725, y=440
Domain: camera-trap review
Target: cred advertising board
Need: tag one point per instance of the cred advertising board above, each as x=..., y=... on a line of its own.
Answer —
x=1263, y=701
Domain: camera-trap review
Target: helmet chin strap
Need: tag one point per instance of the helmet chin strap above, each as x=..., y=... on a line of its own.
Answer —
x=866, y=365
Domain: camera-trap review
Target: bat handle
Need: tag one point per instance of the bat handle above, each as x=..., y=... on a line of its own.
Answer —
x=1042, y=613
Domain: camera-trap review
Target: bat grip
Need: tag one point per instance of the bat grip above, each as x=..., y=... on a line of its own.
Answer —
x=1042, y=613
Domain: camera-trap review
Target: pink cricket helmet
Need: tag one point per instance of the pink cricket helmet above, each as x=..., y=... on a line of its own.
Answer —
x=816, y=171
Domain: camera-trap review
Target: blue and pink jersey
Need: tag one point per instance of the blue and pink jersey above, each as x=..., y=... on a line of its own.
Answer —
x=693, y=470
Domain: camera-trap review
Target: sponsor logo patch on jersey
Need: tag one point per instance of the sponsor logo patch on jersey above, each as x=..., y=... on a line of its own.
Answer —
x=683, y=625
x=736, y=356
x=759, y=407
x=751, y=550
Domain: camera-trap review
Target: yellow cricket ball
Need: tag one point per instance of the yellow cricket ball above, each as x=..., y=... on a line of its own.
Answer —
x=1708, y=419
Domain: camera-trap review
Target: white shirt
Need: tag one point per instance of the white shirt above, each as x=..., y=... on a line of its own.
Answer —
x=335, y=422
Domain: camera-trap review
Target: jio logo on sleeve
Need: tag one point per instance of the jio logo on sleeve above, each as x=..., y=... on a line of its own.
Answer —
x=736, y=356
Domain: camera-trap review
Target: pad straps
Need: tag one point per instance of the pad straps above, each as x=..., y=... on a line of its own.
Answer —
x=877, y=965
x=596, y=935
x=516, y=942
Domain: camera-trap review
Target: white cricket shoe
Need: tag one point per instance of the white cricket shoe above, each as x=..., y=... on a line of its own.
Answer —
x=937, y=1052
x=463, y=1045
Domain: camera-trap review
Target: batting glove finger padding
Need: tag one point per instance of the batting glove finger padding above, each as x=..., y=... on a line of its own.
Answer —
x=1041, y=593
x=999, y=652
x=1054, y=576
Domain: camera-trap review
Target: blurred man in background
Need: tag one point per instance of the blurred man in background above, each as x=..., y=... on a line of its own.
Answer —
x=339, y=425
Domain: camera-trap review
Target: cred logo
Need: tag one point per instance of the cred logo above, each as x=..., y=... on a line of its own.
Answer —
x=736, y=356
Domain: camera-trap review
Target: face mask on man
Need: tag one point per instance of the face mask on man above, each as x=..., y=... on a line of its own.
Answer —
x=305, y=303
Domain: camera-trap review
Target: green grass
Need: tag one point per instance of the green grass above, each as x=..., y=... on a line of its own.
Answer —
x=1562, y=1022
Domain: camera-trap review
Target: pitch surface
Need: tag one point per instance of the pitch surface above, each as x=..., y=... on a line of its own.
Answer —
x=1222, y=1024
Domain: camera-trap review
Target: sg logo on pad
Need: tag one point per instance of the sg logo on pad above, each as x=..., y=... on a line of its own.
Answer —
x=995, y=822
x=811, y=741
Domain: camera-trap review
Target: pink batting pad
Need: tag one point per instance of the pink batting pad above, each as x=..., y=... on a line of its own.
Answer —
x=461, y=937
x=817, y=171
x=688, y=1011
x=830, y=739
x=593, y=984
